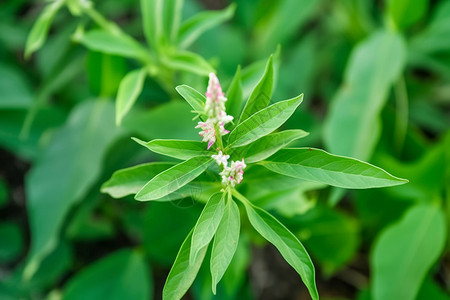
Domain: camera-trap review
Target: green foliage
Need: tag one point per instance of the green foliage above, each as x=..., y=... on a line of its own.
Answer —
x=375, y=80
x=112, y=277
x=399, y=272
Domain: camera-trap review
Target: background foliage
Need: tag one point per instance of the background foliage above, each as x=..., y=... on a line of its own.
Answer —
x=376, y=80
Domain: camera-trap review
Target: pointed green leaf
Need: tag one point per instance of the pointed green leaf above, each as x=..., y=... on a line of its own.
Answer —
x=207, y=224
x=182, y=273
x=130, y=180
x=176, y=148
x=172, y=18
x=406, y=251
x=353, y=127
x=407, y=12
x=111, y=278
x=129, y=89
x=268, y=145
x=174, y=178
x=39, y=32
x=234, y=95
x=56, y=183
x=189, y=62
x=287, y=243
x=192, y=28
x=321, y=166
x=225, y=243
x=117, y=44
x=193, y=97
x=152, y=21
x=260, y=96
x=263, y=122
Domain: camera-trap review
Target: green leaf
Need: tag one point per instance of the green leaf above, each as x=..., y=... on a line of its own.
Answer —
x=172, y=18
x=407, y=12
x=12, y=242
x=111, y=278
x=321, y=166
x=207, y=224
x=130, y=180
x=194, y=98
x=176, y=148
x=15, y=88
x=268, y=145
x=352, y=127
x=234, y=95
x=261, y=94
x=192, y=28
x=39, y=32
x=433, y=38
x=288, y=245
x=263, y=122
x=406, y=251
x=182, y=273
x=64, y=172
x=225, y=242
x=189, y=62
x=117, y=44
x=152, y=14
x=129, y=89
x=174, y=178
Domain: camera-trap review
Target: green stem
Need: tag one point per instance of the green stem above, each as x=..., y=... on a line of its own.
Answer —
x=401, y=121
x=219, y=139
x=102, y=21
x=240, y=197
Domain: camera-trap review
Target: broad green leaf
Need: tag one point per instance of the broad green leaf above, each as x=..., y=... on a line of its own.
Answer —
x=194, y=98
x=12, y=242
x=111, y=278
x=407, y=12
x=129, y=89
x=207, y=224
x=182, y=273
x=15, y=88
x=281, y=22
x=152, y=21
x=130, y=180
x=288, y=245
x=189, y=62
x=234, y=95
x=39, y=32
x=172, y=120
x=225, y=242
x=117, y=44
x=176, y=148
x=172, y=18
x=192, y=28
x=406, y=251
x=174, y=178
x=352, y=127
x=268, y=145
x=434, y=37
x=64, y=172
x=261, y=94
x=321, y=166
x=263, y=122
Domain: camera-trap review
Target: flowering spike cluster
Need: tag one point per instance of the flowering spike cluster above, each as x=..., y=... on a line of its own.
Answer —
x=215, y=111
x=215, y=124
x=233, y=174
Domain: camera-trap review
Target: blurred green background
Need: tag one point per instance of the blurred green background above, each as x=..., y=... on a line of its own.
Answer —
x=376, y=79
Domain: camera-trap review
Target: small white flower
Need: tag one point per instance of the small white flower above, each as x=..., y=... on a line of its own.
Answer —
x=221, y=159
x=233, y=174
